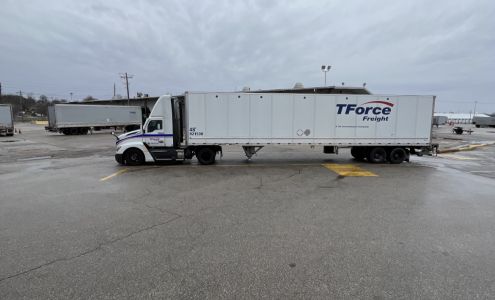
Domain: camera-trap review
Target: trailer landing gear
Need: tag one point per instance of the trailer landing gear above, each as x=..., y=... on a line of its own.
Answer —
x=251, y=150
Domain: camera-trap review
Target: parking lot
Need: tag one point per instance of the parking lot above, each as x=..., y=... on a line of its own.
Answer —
x=291, y=223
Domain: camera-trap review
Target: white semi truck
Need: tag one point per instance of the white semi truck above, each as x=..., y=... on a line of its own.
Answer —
x=6, y=120
x=73, y=119
x=379, y=128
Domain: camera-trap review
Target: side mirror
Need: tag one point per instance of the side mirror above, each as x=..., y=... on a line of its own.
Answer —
x=113, y=133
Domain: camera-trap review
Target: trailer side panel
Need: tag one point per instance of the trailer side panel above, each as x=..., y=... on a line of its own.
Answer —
x=345, y=120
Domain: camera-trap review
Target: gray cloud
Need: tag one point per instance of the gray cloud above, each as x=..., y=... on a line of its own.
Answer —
x=400, y=47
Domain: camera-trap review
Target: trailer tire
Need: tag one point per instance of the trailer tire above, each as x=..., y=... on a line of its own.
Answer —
x=359, y=153
x=74, y=131
x=377, y=155
x=133, y=157
x=206, y=155
x=397, y=156
x=66, y=131
x=83, y=130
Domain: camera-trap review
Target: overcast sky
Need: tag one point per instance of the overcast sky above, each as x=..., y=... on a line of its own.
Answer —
x=445, y=48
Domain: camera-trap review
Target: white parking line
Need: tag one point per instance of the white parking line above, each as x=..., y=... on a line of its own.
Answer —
x=34, y=158
x=455, y=156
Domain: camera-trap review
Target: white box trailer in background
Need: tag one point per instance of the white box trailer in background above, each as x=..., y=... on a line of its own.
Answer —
x=6, y=120
x=80, y=118
x=377, y=127
x=484, y=121
x=440, y=120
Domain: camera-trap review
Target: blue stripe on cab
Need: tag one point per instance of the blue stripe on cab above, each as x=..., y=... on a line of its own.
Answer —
x=144, y=135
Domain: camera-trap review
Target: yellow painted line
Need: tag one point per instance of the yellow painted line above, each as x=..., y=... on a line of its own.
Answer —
x=472, y=147
x=114, y=174
x=466, y=148
x=454, y=156
x=39, y=122
x=349, y=170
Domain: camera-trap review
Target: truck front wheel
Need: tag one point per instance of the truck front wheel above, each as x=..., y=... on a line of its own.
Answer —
x=377, y=155
x=133, y=157
x=206, y=156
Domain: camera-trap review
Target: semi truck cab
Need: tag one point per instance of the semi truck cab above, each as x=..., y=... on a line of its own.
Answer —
x=162, y=137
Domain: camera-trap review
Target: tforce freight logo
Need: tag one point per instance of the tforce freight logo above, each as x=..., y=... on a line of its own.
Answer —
x=377, y=111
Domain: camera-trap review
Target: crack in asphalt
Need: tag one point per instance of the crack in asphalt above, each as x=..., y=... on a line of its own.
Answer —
x=100, y=246
x=147, y=193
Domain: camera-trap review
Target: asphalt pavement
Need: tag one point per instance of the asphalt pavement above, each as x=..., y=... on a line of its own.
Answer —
x=291, y=223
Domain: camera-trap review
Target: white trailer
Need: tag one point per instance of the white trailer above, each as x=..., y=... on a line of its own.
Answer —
x=440, y=120
x=73, y=119
x=6, y=120
x=379, y=128
x=484, y=121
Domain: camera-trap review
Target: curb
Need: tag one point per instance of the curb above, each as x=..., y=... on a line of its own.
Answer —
x=469, y=147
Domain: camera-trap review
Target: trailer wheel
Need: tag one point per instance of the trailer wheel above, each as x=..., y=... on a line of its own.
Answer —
x=377, y=155
x=133, y=157
x=397, y=156
x=206, y=156
x=359, y=153
x=74, y=131
x=83, y=130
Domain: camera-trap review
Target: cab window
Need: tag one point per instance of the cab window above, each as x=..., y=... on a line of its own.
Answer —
x=154, y=125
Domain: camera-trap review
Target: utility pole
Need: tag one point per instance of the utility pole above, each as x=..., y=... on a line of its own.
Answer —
x=0, y=91
x=70, y=96
x=474, y=113
x=20, y=99
x=126, y=77
x=114, y=90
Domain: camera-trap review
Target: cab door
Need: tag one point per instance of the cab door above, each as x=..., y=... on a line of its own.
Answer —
x=154, y=135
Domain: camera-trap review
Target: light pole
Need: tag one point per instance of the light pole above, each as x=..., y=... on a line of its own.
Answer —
x=325, y=69
x=70, y=96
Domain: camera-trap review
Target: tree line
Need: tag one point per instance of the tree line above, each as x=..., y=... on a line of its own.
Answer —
x=29, y=106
